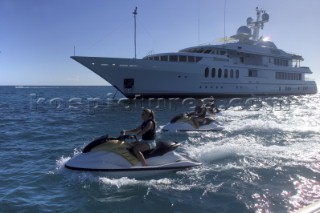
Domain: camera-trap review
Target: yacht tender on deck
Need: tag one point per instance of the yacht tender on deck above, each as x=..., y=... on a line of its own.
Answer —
x=249, y=65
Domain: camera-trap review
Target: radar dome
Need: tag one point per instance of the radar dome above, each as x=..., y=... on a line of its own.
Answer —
x=244, y=30
x=265, y=17
x=249, y=20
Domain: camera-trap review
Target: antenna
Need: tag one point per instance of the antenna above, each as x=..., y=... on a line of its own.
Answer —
x=135, y=13
x=224, y=21
x=198, y=22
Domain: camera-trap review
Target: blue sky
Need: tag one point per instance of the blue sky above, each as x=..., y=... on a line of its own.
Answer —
x=37, y=37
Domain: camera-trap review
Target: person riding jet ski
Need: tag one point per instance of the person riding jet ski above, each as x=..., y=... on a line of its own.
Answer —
x=115, y=158
x=198, y=116
x=147, y=130
x=193, y=121
x=212, y=108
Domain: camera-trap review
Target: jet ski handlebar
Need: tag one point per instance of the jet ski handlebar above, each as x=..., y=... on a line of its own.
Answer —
x=125, y=137
x=106, y=138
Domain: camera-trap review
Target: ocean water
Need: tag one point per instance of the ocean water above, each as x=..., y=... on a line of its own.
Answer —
x=266, y=159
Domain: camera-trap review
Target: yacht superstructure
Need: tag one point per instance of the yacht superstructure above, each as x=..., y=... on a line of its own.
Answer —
x=249, y=65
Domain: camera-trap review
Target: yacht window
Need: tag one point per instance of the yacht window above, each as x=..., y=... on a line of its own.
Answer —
x=156, y=58
x=222, y=52
x=206, y=72
x=280, y=62
x=173, y=58
x=288, y=76
x=207, y=51
x=237, y=73
x=182, y=58
x=225, y=73
x=284, y=62
x=213, y=72
x=252, y=73
x=219, y=73
x=191, y=59
x=198, y=59
x=231, y=73
x=164, y=58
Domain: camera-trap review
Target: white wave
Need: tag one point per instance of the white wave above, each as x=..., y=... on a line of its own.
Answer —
x=256, y=154
x=61, y=162
x=119, y=182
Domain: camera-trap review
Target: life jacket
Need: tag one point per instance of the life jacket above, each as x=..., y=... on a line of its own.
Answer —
x=151, y=133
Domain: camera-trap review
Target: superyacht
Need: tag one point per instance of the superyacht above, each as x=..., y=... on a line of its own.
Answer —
x=244, y=65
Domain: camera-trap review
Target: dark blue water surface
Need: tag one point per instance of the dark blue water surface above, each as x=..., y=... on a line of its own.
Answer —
x=266, y=159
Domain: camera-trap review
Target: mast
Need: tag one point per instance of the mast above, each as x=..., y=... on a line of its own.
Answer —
x=251, y=31
x=224, y=22
x=262, y=17
x=135, y=13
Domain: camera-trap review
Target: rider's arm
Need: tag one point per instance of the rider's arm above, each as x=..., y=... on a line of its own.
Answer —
x=132, y=130
x=190, y=113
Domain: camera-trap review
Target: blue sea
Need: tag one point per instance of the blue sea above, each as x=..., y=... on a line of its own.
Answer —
x=266, y=159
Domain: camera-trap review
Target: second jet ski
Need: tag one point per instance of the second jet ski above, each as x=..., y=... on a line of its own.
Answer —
x=184, y=123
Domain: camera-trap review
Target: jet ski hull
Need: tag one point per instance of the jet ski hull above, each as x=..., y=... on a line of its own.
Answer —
x=135, y=172
x=183, y=123
x=117, y=161
x=186, y=127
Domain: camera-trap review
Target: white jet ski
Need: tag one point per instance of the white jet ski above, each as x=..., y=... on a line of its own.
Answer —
x=183, y=123
x=114, y=157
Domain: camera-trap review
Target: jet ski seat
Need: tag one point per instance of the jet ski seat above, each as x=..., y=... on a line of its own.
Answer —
x=161, y=148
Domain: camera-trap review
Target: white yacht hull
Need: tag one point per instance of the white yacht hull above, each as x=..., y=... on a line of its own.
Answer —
x=146, y=78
